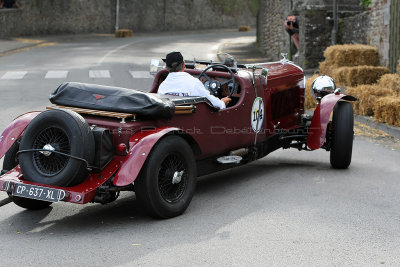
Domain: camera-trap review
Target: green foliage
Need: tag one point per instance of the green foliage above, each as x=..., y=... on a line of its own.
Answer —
x=366, y=3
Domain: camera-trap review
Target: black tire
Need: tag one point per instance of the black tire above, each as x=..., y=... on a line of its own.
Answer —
x=30, y=204
x=154, y=189
x=67, y=132
x=342, y=135
x=10, y=158
x=10, y=161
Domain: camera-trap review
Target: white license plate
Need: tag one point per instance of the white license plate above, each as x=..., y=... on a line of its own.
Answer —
x=38, y=192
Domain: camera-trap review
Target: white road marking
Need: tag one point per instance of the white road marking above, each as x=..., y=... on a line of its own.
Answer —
x=13, y=75
x=113, y=51
x=141, y=74
x=56, y=74
x=99, y=74
x=62, y=74
x=55, y=65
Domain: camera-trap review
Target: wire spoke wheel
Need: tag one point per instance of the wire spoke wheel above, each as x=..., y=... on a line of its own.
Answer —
x=56, y=135
x=48, y=163
x=172, y=189
x=167, y=181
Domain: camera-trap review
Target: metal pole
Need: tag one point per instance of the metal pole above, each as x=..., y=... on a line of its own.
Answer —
x=290, y=37
x=335, y=21
x=117, y=16
x=165, y=15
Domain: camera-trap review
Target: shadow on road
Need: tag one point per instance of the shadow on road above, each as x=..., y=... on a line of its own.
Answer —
x=237, y=182
x=221, y=200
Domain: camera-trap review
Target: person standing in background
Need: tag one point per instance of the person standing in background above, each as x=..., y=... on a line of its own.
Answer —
x=292, y=27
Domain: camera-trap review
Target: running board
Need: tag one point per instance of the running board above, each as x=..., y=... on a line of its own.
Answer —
x=229, y=159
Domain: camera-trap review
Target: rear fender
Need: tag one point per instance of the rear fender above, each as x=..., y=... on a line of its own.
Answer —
x=14, y=130
x=140, y=146
x=317, y=133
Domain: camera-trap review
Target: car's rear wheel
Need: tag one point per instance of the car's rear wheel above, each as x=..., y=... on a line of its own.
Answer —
x=63, y=133
x=342, y=135
x=10, y=161
x=167, y=181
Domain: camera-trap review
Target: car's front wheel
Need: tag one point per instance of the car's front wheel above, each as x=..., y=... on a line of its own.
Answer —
x=342, y=135
x=167, y=181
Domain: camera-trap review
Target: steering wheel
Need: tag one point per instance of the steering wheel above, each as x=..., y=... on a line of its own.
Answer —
x=214, y=86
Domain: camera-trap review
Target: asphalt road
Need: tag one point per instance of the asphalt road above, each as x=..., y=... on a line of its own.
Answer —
x=288, y=209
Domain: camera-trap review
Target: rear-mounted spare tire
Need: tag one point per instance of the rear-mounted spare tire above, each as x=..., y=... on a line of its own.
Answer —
x=62, y=131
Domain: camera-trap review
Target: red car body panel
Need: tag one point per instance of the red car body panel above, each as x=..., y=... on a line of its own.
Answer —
x=79, y=194
x=319, y=123
x=14, y=130
x=140, y=145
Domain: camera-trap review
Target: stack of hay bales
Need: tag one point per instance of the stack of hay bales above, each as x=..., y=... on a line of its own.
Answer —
x=381, y=100
x=367, y=95
x=378, y=92
x=387, y=109
x=351, y=65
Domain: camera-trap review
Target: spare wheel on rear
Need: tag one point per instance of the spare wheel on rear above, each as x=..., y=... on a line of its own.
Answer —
x=56, y=130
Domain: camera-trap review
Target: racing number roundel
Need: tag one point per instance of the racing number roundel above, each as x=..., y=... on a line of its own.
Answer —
x=257, y=114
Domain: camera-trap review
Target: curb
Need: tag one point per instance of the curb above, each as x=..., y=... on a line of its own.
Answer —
x=369, y=121
x=23, y=48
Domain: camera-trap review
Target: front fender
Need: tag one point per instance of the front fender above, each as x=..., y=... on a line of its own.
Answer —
x=140, y=145
x=14, y=130
x=317, y=133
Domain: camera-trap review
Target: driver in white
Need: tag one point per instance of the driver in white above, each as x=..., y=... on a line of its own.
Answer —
x=181, y=83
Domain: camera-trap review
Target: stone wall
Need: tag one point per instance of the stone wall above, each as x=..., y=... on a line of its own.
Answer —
x=369, y=27
x=314, y=37
x=315, y=27
x=379, y=29
x=354, y=29
x=98, y=16
x=57, y=16
x=271, y=35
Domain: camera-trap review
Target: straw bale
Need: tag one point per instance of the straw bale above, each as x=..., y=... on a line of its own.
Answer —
x=352, y=76
x=122, y=33
x=326, y=68
x=387, y=109
x=366, y=96
x=390, y=81
x=351, y=55
x=310, y=100
x=244, y=28
x=339, y=75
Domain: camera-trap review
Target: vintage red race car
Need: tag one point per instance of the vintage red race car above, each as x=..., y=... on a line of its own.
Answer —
x=96, y=141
